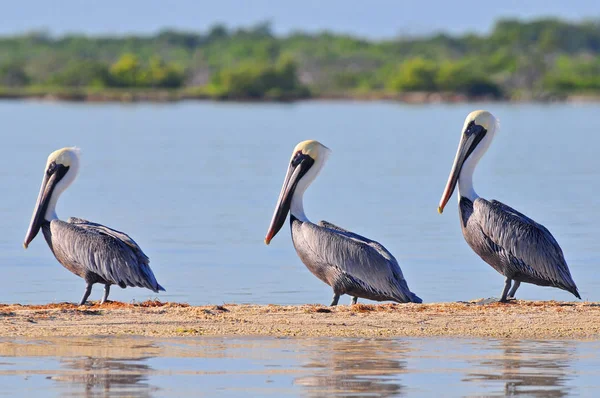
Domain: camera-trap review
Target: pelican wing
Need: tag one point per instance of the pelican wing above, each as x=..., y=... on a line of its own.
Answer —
x=375, y=245
x=361, y=260
x=121, y=236
x=525, y=246
x=111, y=254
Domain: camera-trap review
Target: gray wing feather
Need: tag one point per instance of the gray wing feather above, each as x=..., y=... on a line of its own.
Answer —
x=118, y=235
x=111, y=254
x=363, y=260
x=528, y=247
x=375, y=245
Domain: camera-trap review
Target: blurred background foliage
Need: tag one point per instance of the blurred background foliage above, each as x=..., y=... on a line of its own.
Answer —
x=515, y=59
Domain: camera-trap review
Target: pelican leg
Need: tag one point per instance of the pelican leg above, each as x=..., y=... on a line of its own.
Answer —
x=507, y=284
x=336, y=298
x=511, y=294
x=354, y=300
x=86, y=294
x=106, y=292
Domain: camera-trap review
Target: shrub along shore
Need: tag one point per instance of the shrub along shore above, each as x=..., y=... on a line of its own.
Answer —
x=157, y=95
x=546, y=59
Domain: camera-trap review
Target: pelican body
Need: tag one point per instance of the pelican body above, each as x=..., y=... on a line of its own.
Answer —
x=349, y=263
x=512, y=243
x=94, y=252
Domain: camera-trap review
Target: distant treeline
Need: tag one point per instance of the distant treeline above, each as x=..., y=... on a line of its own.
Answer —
x=517, y=59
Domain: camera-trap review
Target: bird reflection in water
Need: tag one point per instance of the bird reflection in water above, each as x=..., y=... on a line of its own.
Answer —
x=355, y=367
x=533, y=369
x=102, y=377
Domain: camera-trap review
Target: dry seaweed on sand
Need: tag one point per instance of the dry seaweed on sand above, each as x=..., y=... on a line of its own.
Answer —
x=519, y=319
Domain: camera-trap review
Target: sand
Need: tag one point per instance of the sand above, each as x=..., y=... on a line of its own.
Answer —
x=519, y=319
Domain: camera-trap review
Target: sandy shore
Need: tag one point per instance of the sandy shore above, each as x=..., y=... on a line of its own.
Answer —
x=521, y=319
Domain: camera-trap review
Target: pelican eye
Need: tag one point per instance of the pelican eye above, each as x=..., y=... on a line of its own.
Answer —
x=51, y=168
x=473, y=128
x=297, y=159
x=469, y=128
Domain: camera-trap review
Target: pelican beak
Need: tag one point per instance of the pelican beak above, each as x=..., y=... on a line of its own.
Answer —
x=51, y=177
x=470, y=138
x=298, y=167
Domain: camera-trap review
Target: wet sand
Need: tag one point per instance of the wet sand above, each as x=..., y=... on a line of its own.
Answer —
x=520, y=319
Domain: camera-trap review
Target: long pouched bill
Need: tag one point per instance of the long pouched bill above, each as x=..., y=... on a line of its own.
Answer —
x=41, y=205
x=469, y=140
x=284, y=202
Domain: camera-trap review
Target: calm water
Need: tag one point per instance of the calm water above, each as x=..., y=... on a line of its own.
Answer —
x=195, y=185
x=299, y=367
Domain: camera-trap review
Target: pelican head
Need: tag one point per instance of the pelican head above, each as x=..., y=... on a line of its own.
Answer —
x=307, y=160
x=60, y=171
x=477, y=134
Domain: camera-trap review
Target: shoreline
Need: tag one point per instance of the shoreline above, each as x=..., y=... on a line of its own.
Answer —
x=173, y=96
x=520, y=319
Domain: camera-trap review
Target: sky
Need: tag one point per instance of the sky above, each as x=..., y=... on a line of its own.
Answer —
x=368, y=18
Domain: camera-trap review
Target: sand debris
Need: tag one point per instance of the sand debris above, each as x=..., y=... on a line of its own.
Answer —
x=517, y=319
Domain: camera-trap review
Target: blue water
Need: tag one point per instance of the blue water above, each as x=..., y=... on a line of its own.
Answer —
x=232, y=367
x=195, y=185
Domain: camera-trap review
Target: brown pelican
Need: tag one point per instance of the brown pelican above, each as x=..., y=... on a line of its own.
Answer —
x=349, y=263
x=512, y=243
x=96, y=253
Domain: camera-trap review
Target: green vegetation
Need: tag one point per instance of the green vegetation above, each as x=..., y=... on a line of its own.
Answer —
x=258, y=80
x=516, y=59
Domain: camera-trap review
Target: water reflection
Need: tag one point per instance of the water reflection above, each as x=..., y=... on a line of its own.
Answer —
x=103, y=377
x=87, y=366
x=536, y=369
x=356, y=368
x=313, y=367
